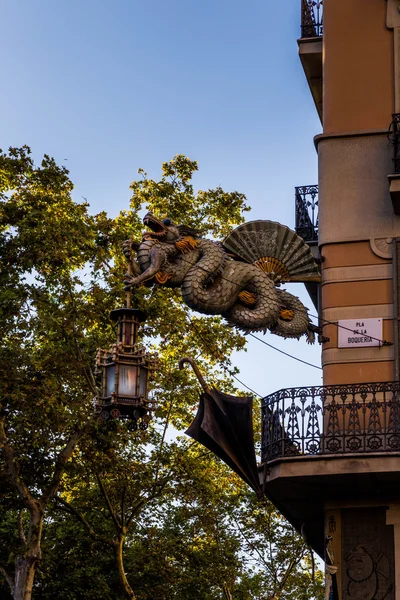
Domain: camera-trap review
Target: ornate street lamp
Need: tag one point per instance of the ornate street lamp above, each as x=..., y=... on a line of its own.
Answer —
x=125, y=368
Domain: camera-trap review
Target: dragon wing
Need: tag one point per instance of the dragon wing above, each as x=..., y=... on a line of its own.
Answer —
x=275, y=249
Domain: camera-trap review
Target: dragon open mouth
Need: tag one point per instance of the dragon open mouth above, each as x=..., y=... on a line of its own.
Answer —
x=158, y=229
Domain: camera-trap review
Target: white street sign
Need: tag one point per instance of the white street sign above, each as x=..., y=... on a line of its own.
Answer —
x=360, y=333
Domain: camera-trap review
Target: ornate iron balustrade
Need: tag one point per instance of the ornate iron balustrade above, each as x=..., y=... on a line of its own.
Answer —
x=394, y=137
x=311, y=18
x=327, y=420
x=306, y=221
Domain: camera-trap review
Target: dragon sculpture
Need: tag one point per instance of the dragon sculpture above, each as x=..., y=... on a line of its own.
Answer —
x=238, y=278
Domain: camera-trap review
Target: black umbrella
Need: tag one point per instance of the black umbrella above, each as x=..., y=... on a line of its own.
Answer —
x=224, y=425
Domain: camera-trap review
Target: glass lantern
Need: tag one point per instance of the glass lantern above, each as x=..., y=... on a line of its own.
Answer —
x=125, y=370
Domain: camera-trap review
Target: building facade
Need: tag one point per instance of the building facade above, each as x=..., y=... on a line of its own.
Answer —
x=331, y=455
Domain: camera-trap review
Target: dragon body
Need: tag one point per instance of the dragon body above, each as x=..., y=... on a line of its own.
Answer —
x=213, y=282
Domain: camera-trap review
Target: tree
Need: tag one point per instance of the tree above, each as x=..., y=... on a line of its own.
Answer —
x=205, y=538
x=44, y=238
x=128, y=496
x=279, y=564
x=62, y=471
x=57, y=288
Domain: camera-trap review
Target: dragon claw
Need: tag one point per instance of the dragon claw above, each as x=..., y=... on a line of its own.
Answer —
x=286, y=314
x=247, y=297
x=128, y=281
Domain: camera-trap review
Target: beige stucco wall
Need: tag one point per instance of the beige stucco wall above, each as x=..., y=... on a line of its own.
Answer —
x=357, y=293
x=356, y=218
x=356, y=283
x=351, y=254
x=359, y=372
x=354, y=199
x=358, y=66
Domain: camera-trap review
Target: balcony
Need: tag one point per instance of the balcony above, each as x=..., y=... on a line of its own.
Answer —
x=306, y=217
x=319, y=443
x=310, y=48
x=306, y=226
x=311, y=18
x=331, y=420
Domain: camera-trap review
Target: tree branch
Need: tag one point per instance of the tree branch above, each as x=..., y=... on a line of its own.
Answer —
x=290, y=568
x=88, y=375
x=254, y=548
x=227, y=592
x=141, y=502
x=87, y=372
x=123, y=507
x=225, y=587
x=109, y=506
x=8, y=579
x=12, y=468
x=21, y=532
x=62, y=459
x=72, y=510
x=162, y=442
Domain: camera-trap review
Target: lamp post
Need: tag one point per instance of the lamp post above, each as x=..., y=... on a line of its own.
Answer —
x=125, y=368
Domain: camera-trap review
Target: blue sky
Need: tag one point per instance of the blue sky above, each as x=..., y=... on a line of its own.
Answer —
x=108, y=87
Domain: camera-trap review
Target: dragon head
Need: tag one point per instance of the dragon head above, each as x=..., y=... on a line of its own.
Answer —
x=165, y=230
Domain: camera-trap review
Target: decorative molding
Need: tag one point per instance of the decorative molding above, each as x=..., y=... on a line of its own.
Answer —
x=382, y=246
x=351, y=355
x=358, y=273
x=368, y=567
x=320, y=137
x=369, y=311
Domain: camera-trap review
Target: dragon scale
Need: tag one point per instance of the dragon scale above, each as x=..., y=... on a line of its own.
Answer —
x=212, y=286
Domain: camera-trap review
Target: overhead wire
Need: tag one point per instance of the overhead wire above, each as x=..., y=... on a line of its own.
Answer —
x=216, y=356
x=285, y=353
x=244, y=385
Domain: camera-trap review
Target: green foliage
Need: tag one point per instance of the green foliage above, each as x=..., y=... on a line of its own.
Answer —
x=187, y=526
x=213, y=211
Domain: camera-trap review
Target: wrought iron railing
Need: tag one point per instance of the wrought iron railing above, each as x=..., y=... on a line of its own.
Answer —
x=311, y=18
x=394, y=137
x=306, y=206
x=329, y=420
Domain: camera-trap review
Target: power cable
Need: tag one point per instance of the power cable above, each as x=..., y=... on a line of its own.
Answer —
x=216, y=356
x=244, y=385
x=285, y=353
x=260, y=340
